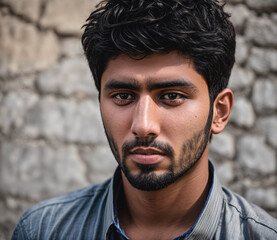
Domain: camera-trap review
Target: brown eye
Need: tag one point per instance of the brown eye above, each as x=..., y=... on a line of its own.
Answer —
x=123, y=98
x=173, y=99
x=172, y=96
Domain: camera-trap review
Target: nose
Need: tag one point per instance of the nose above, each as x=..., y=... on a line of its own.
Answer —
x=146, y=118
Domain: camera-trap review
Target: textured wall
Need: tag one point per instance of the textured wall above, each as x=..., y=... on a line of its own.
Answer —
x=51, y=136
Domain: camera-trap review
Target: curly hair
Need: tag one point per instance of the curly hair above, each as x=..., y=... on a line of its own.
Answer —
x=198, y=29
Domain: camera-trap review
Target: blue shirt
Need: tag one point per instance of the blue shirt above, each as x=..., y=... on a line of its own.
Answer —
x=91, y=213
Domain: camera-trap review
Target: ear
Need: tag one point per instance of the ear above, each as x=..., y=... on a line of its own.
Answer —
x=222, y=108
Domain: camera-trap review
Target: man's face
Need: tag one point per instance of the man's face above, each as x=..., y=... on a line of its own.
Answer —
x=157, y=117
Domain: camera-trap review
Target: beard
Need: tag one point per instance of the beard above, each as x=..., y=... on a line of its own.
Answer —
x=147, y=179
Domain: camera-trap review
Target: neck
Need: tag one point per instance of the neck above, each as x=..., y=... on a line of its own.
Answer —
x=178, y=205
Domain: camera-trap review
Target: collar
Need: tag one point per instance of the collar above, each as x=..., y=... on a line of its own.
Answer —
x=111, y=220
x=205, y=226
x=207, y=223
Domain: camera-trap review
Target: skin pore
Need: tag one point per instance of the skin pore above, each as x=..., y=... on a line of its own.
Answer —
x=157, y=116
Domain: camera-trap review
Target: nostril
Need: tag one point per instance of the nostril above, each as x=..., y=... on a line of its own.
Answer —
x=146, y=129
x=145, y=133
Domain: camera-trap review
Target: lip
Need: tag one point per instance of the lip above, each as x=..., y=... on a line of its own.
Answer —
x=147, y=156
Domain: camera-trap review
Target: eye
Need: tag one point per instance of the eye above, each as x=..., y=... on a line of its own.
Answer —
x=173, y=98
x=123, y=98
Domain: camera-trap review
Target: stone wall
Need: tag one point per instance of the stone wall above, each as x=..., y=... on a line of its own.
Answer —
x=51, y=136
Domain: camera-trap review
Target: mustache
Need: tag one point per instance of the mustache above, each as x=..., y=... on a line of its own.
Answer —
x=138, y=142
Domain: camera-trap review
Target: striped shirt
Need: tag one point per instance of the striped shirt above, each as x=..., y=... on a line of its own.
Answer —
x=90, y=213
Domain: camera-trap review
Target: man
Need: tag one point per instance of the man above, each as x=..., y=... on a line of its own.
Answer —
x=161, y=68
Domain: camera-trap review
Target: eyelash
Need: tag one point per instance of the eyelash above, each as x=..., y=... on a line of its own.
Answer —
x=173, y=93
x=131, y=98
x=179, y=98
x=122, y=101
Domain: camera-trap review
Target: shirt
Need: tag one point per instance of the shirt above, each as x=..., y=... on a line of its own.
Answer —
x=90, y=213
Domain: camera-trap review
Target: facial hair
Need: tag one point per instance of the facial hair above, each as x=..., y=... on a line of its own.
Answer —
x=147, y=179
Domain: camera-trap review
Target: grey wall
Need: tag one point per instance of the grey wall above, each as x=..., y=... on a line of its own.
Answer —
x=51, y=136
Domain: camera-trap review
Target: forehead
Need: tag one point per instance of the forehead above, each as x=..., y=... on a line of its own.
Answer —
x=154, y=68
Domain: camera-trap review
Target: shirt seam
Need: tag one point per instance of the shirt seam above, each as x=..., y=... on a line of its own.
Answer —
x=22, y=230
x=251, y=218
x=24, y=217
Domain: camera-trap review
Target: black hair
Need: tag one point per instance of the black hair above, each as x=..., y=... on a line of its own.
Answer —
x=198, y=29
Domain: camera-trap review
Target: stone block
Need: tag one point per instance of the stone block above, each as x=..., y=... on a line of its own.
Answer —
x=225, y=172
x=45, y=119
x=258, y=61
x=69, y=77
x=100, y=161
x=241, y=78
x=263, y=61
x=22, y=83
x=274, y=17
x=264, y=96
x=254, y=155
x=13, y=108
x=223, y=144
x=261, y=31
x=64, y=120
x=239, y=15
x=71, y=47
x=67, y=17
x=40, y=171
x=29, y=9
x=265, y=5
x=83, y=123
x=268, y=126
x=24, y=48
x=235, y=1
x=242, y=50
x=243, y=113
x=263, y=197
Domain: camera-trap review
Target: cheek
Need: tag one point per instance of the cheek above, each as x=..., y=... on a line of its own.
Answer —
x=184, y=121
x=116, y=122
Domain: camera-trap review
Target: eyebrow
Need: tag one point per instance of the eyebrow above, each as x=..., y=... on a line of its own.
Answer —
x=172, y=83
x=114, y=84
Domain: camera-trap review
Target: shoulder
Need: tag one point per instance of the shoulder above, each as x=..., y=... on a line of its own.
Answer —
x=243, y=216
x=90, y=194
x=58, y=213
